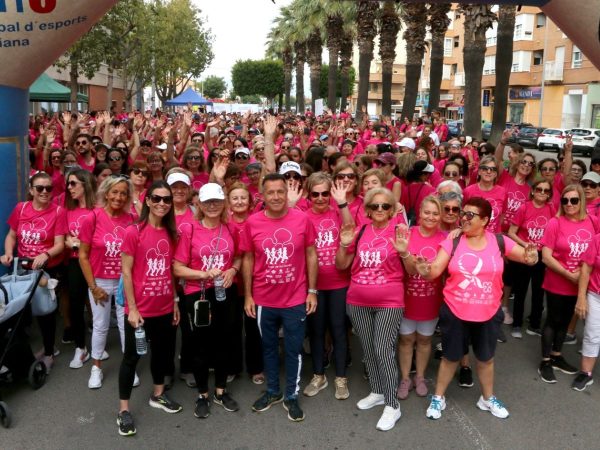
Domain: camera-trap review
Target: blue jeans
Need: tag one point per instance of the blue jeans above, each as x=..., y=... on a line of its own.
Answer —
x=293, y=321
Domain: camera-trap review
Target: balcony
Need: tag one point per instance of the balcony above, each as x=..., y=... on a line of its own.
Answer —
x=459, y=79
x=553, y=71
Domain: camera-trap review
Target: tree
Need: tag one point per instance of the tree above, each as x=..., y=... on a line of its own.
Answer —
x=366, y=13
x=300, y=50
x=337, y=92
x=214, y=87
x=279, y=46
x=257, y=99
x=389, y=26
x=504, y=55
x=346, y=67
x=262, y=77
x=478, y=18
x=438, y=24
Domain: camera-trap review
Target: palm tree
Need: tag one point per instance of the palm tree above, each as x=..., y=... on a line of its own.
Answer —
x=504, y=55
x=345, y=64
x=478, y=18
x=366, y=13
x=314, y=46
x=438, y=25
x=389, y=28
x=414, y=16
x=300, y=51
x=279, y=46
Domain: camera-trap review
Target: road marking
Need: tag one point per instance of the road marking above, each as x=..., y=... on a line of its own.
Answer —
x=470, y=430
x=87, y=420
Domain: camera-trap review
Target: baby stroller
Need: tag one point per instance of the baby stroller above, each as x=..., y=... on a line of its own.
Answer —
x=17, y=292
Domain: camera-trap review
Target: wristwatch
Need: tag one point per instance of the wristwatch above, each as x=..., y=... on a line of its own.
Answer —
x=313, y=291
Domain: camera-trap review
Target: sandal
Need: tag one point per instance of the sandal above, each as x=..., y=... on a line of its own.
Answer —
x=259, y=378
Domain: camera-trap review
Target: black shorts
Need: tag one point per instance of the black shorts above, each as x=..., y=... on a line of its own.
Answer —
x=509, y=273
x=458, y=333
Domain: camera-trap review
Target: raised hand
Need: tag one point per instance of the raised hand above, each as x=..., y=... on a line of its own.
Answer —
x=187, y=119
x=270, y=126
x=99, y=119
x=338, y=192
x=50, y=136
x=400, y=243
x=506, y=135
x=531, y=254
x=66, y=116
x=347, y=234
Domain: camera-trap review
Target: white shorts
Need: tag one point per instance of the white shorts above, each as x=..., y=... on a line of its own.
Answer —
x=591, y=330
x=422, y=327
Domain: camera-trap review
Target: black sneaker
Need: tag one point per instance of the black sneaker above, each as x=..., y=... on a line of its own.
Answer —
x=67, y=337
x=126, y=425
x=295, y=413
x=581, y=381
x=465, y=377
x=532, y=331
x=558, y=362
x=165, y=403
x=226, y=401
x=547, y=372
x=501, y=336
x=266, y=401
x=202, y=410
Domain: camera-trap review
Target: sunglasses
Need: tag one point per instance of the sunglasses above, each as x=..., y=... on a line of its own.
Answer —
x=325, y=194
x=589, y=184
x=572, y=200
x=540, y=190
x=345, y=176
x=452, y=209
x=81, y=142
x=292, y=175
x=56, y=158
x=115, y=158
x=488, y=169
x=141, y=172
x=548, y=169
x=197, y=140
x=193, y=158
x=378, y=206
x=450, y=174
x=527, y=163
x=156, y=199
x=39, y=188
x=241, y=156
x=72, y=183
x=286, y=147
x=468, y=214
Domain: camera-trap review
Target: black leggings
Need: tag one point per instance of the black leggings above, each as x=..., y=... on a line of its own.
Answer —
x=47, y=323
x=161, y=334
x=78, y=294
x=559, y=312
x=522, y=275
x=254, y=356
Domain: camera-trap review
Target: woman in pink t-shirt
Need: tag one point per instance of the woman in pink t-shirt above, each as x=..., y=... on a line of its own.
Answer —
x=565, y=240
x=139, y=173
x=101, y=236
x=376, y=299
x=150, y=300
x=471, y=313
x=388, y=164
x=193, y=161
x=422, y=298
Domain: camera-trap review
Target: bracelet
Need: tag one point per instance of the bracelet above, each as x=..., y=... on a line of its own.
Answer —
x=405, y=257
x=344, y=246
x=48, y=255
x=236, y=269
x=343, y=205
x=93, y=287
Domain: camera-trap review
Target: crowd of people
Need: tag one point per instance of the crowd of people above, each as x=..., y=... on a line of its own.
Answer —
x=242, y=229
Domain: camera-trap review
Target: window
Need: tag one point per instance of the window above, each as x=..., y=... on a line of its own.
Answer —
x=538, y=57
x=518, y=32
x=489, y=65
x=491, y=35
x=448, y=46
x=521, y=61
x=456, y=41
x=540, y=20
x=446, y=72
x=453, y=69
x=374, y=87
x=577, y=58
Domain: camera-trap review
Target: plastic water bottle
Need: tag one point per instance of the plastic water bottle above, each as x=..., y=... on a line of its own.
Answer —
x=141, y=346
x=219, y=289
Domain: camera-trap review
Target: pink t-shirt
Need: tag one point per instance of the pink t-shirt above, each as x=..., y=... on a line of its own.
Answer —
x=423, y=298
x=36, y=230
x=327, y=226
x=74, y=220
x=202, y=248
x=497, y=198
x=413, y=195
x=279, y=277
x=184, y=221
x=592, y=258
x=593, y=207
x=568, y=240
x=532, y=221
x=199, y=180
x=105, y=236
x=473, y=289
x=84, y=165
x=152, y=252
x=377, y=274
x=516, y=195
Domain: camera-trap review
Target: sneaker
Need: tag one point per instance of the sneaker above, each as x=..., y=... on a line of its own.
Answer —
x=266, y=401
x=388, y=419
x=501, y=336
x=81, y=356
x=404, y=389
x=165, y=403
x=371, y=401
x=516, y=333
x=202, y=410
x=508, y=318
x=230, y=378
x=493, y=405
x=258, y=378
x=532, y=331
x=570, y=339
x=40, y=355
x=225, y=400
x=48, y=362
x=465, y=377
x=189, y=379
x=420, y=386
x=95, y=381
x=547, y=372
x=318, y=383
x=558, y=362
x=67, y=337
x=126, y=425
x=104, y=356
x=581, y=381
x=341, y=388
x=295, y=413
x=136, y=380
x=437, y=405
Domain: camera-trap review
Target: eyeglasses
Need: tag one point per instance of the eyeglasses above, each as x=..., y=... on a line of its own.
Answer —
x=548, y=169
x=451, y=209
x=115, y=158
x=572, y=200
x=488, y=169
x=194, y=158
x=589, y=184
x=197, y=140
x=469, y=214
x=348, y=176
x=141, y=172
x=315, y=194
x=527, y=163
x=292, y=175
x=450, y=174
x=81, y=142
x=40, y=188
x=241, y=156
x=156, y=199
x=55, y=158
x=72, y=183
x=545, y=191
x=379, y=206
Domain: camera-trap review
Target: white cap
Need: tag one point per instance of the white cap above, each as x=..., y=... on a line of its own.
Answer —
x=406, y=142
x=429, y=168
x=243, y=150
x=349, y=130
x=162, y=146
x=591, y=176
x=178, y=177
x=290, y=166
x=211, y=191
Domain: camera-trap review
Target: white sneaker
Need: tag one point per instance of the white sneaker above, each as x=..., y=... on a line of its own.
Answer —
x=95, y=381
x=371, y=401
x=104, y=356
x=508, y=318
x=389, y=418
x=437, y=405
x=81, y=356
x=136, y=380
x=493, y=405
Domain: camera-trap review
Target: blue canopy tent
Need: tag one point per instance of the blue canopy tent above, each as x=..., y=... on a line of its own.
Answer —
x=188, y=96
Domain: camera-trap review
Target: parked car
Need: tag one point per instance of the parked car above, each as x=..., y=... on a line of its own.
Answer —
x=486, y=130
x=585, y=139
x=455, y=128
x=552, y=138
x=528, y=136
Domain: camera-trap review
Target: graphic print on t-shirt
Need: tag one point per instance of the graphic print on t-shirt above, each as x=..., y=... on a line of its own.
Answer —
x=75, y=227
x=156, y=259
x=578, y=244
x=215, y=255
x=536, y=228
x=495, y=213
x=112, y=244
x=514, y=200
x=470, y=266
x=371, y=256
x=417, y=285
x=34, y=232
x=278, y=250
x=327, y=233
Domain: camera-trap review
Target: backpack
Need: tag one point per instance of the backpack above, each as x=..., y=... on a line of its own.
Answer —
x=411, y=214
x=499, y=240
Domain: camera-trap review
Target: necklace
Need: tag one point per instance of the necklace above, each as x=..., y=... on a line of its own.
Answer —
x=382, y=230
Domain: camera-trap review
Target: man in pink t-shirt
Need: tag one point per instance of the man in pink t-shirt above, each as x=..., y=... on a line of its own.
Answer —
x=280, y=277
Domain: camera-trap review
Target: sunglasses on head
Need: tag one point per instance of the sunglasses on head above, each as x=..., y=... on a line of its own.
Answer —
x=194, y=158
x=488, y=169
x=572, y=200
x=345, y=176
x=452, y=209
x=241, y=156
x=315, y=194
x=40, y=188
x=141, y=172
x=540, y=190
x=450, y=174
x=468, y=214
x=292, y=175
x=589, y=184
x=156, y=199
x=115, y=158
x=378, y=206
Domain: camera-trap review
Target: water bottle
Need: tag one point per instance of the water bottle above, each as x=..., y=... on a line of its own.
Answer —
x=141, y=346
x=219, y=289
